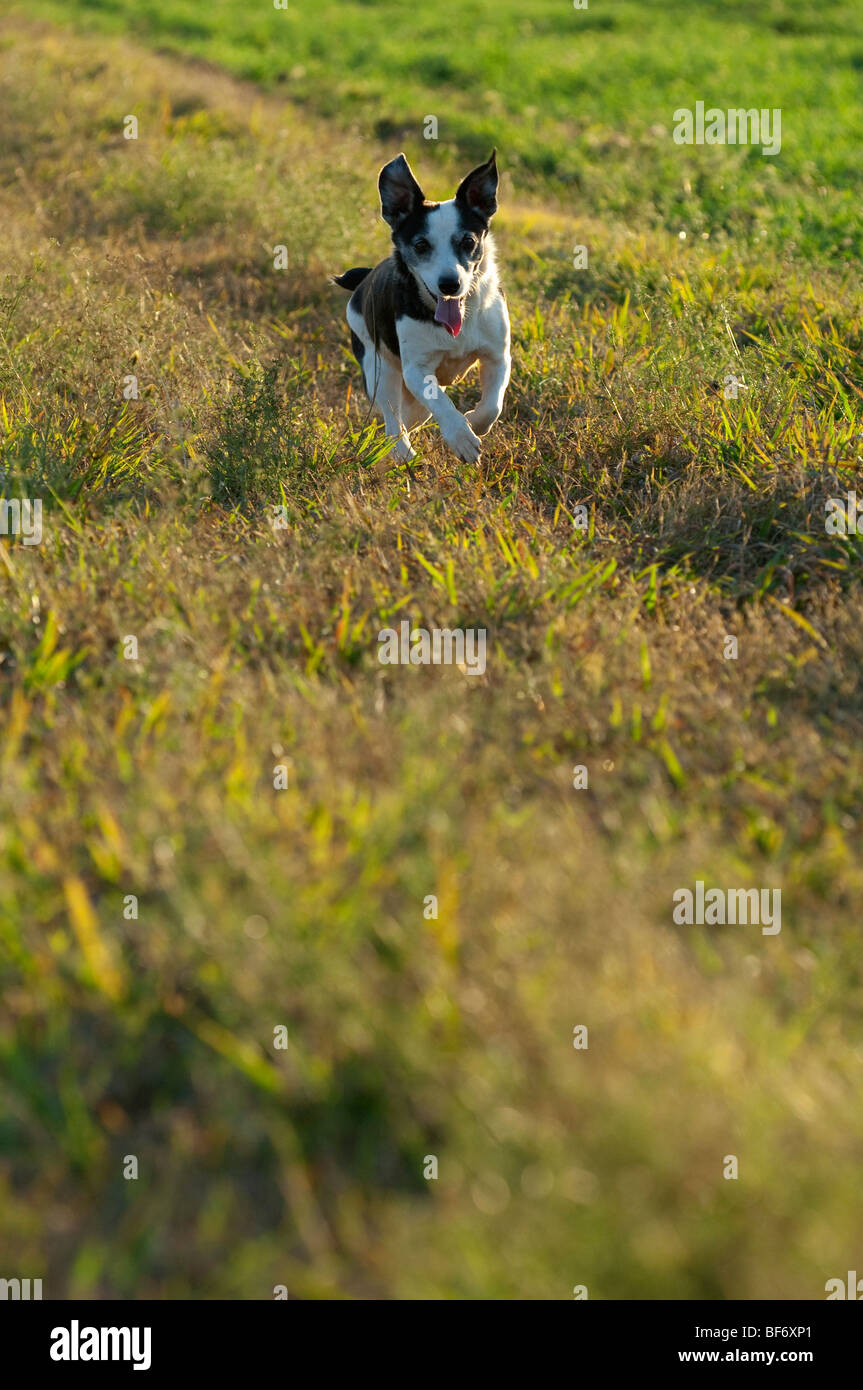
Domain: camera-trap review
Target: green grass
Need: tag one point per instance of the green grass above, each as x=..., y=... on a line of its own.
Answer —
x=582, y=100
x=409, y=1036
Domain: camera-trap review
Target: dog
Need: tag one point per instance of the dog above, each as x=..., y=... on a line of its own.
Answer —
x=424, y=316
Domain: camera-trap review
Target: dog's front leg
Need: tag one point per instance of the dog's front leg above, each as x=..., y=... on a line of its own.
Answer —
x=455, y=429
x=493, y=379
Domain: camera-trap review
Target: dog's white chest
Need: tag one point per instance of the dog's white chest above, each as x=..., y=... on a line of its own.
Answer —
x=483, y=332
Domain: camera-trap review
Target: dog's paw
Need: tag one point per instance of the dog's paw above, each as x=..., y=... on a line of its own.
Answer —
x=463, y=442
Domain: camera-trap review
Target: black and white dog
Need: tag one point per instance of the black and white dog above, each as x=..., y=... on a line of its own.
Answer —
x=432, y=309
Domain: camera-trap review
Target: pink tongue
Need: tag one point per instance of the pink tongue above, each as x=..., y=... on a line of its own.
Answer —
x=448, y=312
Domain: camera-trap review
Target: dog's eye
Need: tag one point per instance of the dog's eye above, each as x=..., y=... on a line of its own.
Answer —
x=421, y=246
x=469, y=242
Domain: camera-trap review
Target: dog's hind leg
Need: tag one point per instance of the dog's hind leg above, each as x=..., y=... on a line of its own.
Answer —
x=387, y=386
x=361, y=343
x=383, y=381
x=413, y=412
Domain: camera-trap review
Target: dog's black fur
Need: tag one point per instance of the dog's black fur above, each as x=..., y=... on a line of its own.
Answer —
x=384, y=295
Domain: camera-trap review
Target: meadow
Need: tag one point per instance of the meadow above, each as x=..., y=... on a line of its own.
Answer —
x=165, y=909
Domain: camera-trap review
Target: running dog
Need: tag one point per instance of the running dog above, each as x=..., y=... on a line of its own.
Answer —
x=421, y=318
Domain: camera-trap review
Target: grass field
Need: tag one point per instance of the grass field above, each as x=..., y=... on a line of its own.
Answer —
x=153, y=1036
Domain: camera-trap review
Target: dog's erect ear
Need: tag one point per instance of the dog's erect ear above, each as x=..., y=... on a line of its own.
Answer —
x=478, y=191
x=400, y=193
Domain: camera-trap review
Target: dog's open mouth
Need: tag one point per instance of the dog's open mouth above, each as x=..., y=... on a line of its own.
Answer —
x=449, y=313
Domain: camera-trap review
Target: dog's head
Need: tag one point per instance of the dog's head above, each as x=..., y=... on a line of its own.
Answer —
x=443, y=245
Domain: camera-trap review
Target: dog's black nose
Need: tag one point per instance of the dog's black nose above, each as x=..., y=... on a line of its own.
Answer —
x=448, y=284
